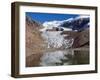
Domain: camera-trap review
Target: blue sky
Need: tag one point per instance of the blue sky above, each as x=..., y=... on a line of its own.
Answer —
x=42, y=17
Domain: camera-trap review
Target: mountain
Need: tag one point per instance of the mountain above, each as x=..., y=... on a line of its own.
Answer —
x=32, y=23
x=62, y=34
x=34, y=42
x=72, y=24
x=77, y=23
x=54, y=24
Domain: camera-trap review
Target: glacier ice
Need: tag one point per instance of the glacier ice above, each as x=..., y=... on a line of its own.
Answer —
x=54, y=39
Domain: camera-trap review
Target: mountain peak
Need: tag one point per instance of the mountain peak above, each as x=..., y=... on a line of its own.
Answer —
x=76, y=24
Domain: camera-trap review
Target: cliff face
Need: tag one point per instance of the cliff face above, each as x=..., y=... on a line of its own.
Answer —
x=34, y=42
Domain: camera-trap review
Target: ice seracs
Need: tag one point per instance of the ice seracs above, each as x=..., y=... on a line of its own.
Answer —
x=54, y=39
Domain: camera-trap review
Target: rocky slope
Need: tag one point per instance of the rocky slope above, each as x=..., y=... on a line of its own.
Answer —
x=34, y=42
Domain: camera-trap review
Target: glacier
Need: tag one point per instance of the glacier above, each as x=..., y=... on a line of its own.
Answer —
x=55, y=40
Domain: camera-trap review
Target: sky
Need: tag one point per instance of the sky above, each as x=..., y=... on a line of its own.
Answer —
x=42, y=17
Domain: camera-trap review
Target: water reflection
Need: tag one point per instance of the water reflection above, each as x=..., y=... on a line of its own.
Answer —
x=64, y=57
x=61, y=57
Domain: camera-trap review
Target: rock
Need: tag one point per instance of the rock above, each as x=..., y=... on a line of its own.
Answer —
x=55, y=29
x=81, y=39
x=70, y=33
x=34, y=42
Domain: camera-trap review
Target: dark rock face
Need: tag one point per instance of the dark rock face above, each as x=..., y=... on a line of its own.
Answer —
x=76, y=24
x=55, y=29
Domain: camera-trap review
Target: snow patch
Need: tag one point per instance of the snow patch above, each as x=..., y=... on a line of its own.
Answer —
x=79, y=17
